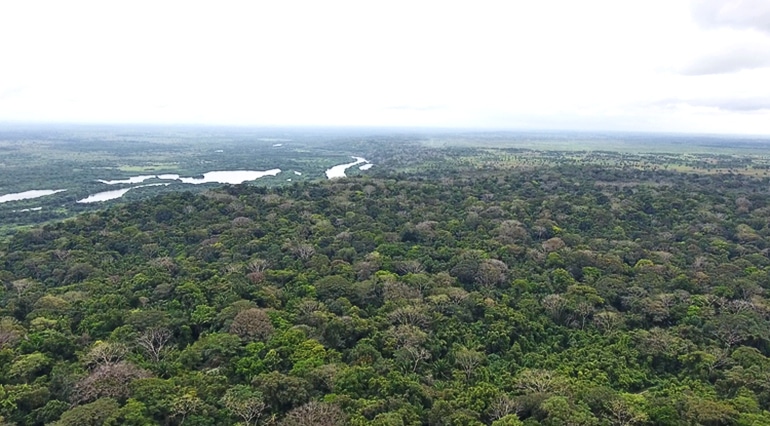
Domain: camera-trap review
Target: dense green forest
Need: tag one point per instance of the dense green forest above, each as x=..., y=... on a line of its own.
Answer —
x=574, y=294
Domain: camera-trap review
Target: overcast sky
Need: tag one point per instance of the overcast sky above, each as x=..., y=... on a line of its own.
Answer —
x=647, y=65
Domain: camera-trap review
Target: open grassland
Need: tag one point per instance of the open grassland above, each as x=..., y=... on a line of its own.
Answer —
x=747, y=164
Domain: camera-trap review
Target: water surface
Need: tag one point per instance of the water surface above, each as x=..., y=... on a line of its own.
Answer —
x=338, y=171
x=28, y=195
x=104, y=196
x=116, y=193
x=132, y=179
x=233, y=177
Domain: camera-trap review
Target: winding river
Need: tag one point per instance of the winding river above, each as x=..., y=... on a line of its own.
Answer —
x=339, y=170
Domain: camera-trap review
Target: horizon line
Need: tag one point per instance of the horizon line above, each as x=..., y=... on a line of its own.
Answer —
x=413, y=128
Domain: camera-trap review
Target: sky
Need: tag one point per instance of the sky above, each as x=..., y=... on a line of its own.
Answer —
x=695, y=66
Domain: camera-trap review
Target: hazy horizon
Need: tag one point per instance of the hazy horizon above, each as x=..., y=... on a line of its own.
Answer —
x=138, y=126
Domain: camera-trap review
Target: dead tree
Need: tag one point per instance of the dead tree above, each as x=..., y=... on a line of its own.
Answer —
x=154, y=341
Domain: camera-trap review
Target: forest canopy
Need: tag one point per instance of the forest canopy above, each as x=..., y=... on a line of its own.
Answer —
x=570, y=295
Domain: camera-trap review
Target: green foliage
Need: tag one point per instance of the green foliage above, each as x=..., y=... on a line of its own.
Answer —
x=572, y=296
x=27, y=367
x=96, y=413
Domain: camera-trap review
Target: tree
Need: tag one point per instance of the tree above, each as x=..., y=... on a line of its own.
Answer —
x=553, y=244
x=704, y=411
x=732, y=329
x=333, y=287
x=491, y=273
x=540, y=381
x=154, y=341
x=92, y=414
x=186, y=404
x=409, y=267
x=133, y=413
x=281, y=392
x=107, y=381
x=22, y=286
x=561, y=411
x=509, y=420
x=399, y=292
x=467, y=266
x=627, y=410
x=245, y=403
x=105, y=353
x=504, y=406
x=27, y=367
x=252, y=324
x=413, y=356
x=211, y=351
x=257, y=268
x=156, y=395
x=556, y=306
x=303, y=251
x=467, y=360
x=607, y=321
x=314, y=413
x=409, y=316
x=10, y=332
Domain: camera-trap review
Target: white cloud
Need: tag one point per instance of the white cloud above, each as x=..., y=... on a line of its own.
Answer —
x=553, y=64
x=741, y=14
x=735, y=59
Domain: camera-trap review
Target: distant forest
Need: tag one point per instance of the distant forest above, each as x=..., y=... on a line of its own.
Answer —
x=76, y=161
